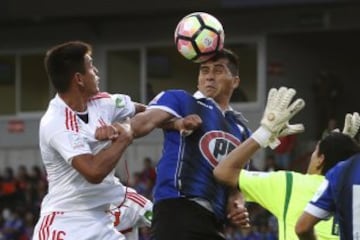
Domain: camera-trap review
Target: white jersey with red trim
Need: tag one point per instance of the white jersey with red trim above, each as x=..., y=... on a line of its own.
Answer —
x=63, y=135
x=135, y=212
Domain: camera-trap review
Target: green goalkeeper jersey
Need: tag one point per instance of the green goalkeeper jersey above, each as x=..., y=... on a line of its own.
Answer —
x=285, y=195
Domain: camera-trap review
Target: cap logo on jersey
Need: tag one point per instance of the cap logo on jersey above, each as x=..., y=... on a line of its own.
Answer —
x=148, y=215
x=119, y=103
x=215, y=145
x=205, y=105
x=76, y=141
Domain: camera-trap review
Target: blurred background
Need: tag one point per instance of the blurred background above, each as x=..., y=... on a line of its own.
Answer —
x=310, y=45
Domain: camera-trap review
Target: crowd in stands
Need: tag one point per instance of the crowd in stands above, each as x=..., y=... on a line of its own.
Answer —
x=22, y=190
x=21, y=193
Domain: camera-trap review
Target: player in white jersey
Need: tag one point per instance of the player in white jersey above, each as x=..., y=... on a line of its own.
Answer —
x=81, y=180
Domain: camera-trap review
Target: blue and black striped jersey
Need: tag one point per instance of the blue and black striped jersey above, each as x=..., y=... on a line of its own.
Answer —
x=186, y=165
x=340, y=194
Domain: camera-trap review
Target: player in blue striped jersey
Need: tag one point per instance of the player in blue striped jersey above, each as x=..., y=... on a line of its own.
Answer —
x=189, y=203
x=339, y=194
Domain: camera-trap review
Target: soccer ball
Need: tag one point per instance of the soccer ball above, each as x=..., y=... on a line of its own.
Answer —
x=198, y=36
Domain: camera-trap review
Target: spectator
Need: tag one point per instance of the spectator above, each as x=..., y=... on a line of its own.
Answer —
x=232, y=233
x=328, y=89
x=266, y=233
x=13, y=227
x=37, y=188
x=138, y=184
x=22, y=184
x=144, y=233
x=250, y=234
x=8, y=188
x=270, y=164
x=331, y=126
x=283, y=153
x=148, y=174
x=29, y=222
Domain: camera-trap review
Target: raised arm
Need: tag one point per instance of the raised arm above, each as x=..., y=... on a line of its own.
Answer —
x=274, y=123
x=228, y=170
x=149, y=120
x=144, y=122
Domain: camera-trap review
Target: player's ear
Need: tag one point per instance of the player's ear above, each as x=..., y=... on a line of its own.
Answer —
x=79, y=79
x=236, y=82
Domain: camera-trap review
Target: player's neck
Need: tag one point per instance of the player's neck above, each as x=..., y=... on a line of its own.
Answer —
x=223, y=104
x=223, y=100
x=317, y=171
x=74, y=101
x=224, y=107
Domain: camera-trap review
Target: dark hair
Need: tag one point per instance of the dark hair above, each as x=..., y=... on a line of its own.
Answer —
x=233, y=59
x=337, y=147
x=63, y=61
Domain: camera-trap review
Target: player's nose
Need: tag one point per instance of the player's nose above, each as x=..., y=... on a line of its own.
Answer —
x=210, y=75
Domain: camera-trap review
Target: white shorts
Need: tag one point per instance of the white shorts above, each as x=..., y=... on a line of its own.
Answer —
x=135, y=212
x=84, y=225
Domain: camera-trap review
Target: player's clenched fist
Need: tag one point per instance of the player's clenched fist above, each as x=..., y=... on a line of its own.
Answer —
x=106, y=132
x=189, y=124
x=238, y=215
x=115, y=131
x=124, y=131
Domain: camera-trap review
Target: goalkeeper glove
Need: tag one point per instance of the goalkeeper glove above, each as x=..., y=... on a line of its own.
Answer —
x=351, y=124
x=275, y=121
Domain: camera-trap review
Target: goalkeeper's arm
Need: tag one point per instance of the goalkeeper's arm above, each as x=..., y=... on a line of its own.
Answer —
x=228, y=170
x=274, y=123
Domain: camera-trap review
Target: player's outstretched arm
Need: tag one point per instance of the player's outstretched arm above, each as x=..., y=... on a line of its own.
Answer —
x=185, y=125
x=275, y=122
x=145, y=122
x=228, y=170
x=139, y=107
x=141, y=124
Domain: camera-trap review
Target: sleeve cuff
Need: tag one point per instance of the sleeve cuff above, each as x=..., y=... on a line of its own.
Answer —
x=317, y=212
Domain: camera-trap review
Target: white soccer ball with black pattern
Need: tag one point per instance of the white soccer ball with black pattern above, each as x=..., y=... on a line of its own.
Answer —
x=198, y=36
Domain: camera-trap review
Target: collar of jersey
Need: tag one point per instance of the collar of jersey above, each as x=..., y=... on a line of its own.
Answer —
x=238, y=115
x=61, y=101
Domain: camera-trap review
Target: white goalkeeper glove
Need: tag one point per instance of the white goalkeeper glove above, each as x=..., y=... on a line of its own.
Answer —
x=289, y=129
x=351, y=124
x=275, y=121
